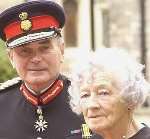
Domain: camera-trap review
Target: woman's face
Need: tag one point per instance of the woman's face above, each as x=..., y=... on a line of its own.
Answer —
x=102, y=106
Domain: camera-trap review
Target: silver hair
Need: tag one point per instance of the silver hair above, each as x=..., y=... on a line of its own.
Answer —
x=132, y=83
x=60, y=40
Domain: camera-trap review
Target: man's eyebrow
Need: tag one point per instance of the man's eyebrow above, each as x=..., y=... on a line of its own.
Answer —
x=44, y=41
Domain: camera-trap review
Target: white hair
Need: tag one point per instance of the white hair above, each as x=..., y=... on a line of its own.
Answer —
x=119, y=63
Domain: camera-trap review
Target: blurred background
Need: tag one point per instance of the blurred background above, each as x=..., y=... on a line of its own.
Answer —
x=91, y=24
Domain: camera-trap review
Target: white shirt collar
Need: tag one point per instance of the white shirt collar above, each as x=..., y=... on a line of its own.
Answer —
x=42, y=91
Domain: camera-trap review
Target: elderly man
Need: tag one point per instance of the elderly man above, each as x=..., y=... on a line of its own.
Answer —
x=36, y=104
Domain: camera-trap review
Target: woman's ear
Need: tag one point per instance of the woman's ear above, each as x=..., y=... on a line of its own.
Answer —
x=131, y=107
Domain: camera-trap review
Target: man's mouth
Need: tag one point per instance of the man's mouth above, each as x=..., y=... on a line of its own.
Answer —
x=36, y=69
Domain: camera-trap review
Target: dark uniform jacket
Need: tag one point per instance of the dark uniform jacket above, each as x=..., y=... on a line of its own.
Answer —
x=18, y=116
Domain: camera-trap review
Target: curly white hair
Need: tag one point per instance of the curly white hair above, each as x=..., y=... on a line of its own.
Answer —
x=119, y=63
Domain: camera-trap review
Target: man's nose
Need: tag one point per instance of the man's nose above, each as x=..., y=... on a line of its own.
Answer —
x=36, y=57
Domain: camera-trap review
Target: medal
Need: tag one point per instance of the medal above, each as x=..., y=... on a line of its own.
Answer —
x=86, y=134
x=40, y=124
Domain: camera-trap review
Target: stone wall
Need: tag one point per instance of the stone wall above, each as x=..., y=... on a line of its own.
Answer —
x=125, y=27
x=148, y=36
x=124, y=24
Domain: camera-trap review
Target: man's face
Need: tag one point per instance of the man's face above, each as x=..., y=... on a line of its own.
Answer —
x=38, y=63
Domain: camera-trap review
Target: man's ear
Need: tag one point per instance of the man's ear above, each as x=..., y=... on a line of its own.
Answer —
x=10, y=56
x=62, y=52
x=62, y=47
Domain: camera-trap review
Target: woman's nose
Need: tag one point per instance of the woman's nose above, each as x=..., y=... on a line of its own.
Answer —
x=93, y=102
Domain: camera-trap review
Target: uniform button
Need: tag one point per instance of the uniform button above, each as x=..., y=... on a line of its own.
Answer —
x=39, y=138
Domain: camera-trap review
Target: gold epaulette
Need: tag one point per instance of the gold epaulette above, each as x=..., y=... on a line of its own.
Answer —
x=10, y=83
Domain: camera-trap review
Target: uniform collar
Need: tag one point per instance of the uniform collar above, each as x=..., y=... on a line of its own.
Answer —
x=45, y=97
x=41, y=92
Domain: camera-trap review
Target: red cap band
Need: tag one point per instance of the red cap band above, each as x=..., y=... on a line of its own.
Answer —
x=38, y=22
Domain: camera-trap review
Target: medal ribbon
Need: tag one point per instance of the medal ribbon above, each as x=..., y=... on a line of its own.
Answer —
x=44, y=98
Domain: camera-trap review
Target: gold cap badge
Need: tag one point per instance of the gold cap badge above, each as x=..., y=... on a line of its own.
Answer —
x=25, y=22
x=86, y=134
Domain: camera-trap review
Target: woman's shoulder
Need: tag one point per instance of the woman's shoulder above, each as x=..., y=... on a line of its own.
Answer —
x=143, y=133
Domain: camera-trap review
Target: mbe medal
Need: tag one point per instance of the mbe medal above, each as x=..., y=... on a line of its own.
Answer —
x=40, y=124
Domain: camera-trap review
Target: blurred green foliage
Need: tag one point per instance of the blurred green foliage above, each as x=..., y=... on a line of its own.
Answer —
x=6, y=70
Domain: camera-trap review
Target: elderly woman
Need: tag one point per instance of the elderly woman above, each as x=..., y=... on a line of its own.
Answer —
x=106, y=89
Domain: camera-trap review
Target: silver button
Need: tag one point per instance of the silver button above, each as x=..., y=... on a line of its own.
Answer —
x=39, y=138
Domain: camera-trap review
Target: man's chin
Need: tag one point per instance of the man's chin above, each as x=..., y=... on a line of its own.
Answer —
x=37, y=80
